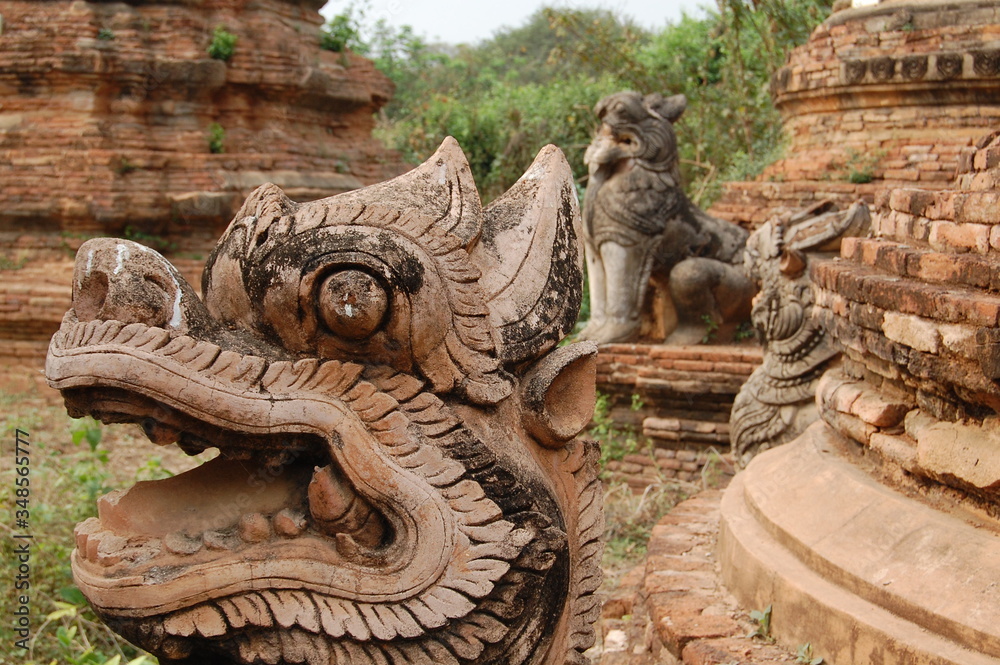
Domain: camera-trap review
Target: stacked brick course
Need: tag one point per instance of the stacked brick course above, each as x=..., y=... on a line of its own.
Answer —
x=108, y=111
x=685, y=393
x=891, y=93
x=917, y=310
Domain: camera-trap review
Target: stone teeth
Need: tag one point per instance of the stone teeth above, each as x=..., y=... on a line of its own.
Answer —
x=98, y=545
x=83, y=532
x=289, y=523
x=110, y=549
x=182, y=543
x=254, y=528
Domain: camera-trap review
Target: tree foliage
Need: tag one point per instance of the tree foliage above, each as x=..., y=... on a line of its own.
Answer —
x=506, y=97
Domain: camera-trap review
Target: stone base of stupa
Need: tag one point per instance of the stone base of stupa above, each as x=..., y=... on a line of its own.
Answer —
x=861, y=571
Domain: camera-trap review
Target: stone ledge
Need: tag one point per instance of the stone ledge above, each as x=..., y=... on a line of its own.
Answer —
x=925, y=264
x=855, y=568
x=953, y=304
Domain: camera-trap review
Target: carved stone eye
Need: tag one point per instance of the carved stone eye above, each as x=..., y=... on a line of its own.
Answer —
x=352, y=303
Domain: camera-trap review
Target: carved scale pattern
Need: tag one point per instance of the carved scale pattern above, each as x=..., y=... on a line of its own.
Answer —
x=392, y=406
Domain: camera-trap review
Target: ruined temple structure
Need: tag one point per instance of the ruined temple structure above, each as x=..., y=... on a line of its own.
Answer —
x=115, y=120
x=115, y=117
x=875, y=535
x=881, y=95
x=399, y=481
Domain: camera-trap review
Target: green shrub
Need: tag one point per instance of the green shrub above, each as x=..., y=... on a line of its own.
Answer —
x=506, y=97
x=223, y=44
x=342, y=33
x=629, y=520
x=216, y=138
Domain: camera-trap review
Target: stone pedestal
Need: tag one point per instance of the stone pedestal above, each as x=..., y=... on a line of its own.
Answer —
x=863, y=572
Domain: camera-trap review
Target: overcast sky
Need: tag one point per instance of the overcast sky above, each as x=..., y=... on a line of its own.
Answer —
x=458, y=21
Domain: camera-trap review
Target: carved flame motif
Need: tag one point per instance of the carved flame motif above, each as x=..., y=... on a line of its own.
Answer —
x=398, y=480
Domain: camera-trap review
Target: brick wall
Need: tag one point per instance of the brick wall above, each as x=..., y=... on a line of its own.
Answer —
x=917, y=312
x=894, y=91
x=686, y=394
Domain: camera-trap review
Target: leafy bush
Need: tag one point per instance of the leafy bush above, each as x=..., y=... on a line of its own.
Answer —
x=216, y=138
x=223, y=44
x=506, y=97
x=616, y=440
x=342, y=33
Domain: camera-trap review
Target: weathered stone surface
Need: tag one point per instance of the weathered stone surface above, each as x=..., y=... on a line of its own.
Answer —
x=862, y=572
x=398, y=479
x=777, y=402
x=659, y=268
x=963, y=454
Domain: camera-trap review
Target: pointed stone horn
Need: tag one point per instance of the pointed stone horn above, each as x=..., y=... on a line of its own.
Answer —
x=530, y=258
x=442, y=186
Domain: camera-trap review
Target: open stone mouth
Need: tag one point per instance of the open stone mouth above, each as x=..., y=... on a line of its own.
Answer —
x=275, y=482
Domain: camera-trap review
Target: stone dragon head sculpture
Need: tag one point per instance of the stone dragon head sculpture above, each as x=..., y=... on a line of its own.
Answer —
x=398, y=480
x=777, y=402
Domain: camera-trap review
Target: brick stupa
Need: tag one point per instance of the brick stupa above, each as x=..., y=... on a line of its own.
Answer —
x=116, y=121
x=876, y=534
x=886, y=95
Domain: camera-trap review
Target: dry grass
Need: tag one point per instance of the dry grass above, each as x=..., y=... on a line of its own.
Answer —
x=630, y=519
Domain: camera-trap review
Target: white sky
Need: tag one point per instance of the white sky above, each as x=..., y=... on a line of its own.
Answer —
x=468, y=21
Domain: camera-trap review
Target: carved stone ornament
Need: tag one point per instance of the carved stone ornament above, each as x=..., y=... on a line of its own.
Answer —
x=398, y=479
x=641, y=229
x=777, y=402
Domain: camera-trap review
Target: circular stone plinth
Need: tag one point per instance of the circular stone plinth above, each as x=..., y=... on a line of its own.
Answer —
x=860, y=571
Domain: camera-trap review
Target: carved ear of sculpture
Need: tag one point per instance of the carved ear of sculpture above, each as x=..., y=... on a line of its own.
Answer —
x=559, y=394
x=530, y=259
x=446, y=179
x=669, y=108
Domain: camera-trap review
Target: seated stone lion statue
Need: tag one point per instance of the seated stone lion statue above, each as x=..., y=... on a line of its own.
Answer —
x=641, y=231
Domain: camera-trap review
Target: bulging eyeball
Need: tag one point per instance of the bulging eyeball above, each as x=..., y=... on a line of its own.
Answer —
x=352, y=303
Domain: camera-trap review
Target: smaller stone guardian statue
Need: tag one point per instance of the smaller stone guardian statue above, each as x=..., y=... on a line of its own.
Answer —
x=777, y=402
x=640, y=230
